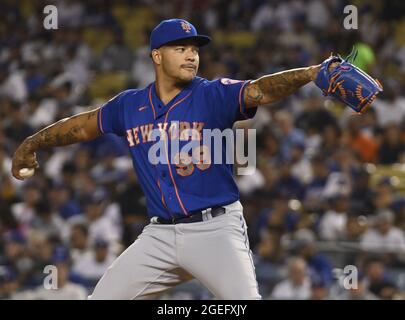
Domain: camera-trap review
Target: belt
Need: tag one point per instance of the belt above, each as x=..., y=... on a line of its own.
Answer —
x=196, y=216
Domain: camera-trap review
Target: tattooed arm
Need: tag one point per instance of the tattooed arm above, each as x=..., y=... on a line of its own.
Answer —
x=274, y=87
x=78, y=128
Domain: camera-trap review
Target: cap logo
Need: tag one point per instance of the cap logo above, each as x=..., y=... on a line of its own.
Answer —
x=186, y=26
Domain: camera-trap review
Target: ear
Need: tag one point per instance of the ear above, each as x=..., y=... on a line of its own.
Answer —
x=156, y=56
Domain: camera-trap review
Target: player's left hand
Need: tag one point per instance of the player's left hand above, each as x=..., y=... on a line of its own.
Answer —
x=341, y=79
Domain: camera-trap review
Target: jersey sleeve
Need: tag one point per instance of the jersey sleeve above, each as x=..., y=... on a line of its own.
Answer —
x=111, y=115
x=228, y=101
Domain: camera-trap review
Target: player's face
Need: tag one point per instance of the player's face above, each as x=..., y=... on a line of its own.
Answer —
x=180, y=61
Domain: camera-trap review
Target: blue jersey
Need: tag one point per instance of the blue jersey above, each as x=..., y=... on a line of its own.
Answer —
x=173, y=190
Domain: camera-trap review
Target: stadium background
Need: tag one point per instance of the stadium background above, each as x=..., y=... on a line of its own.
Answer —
x=330, y=186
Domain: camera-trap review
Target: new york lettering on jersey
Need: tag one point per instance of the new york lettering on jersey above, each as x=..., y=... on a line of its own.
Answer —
x=171, y=189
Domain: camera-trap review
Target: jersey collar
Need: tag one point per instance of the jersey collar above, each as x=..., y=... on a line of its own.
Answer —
x=159, y=108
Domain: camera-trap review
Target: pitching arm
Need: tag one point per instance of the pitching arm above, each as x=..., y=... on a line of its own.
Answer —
x=78, y=128
x=277, y=86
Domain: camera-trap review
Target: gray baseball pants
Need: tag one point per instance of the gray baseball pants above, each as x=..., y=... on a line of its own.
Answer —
x=214, y=251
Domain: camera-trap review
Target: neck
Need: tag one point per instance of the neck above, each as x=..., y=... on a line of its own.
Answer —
x=167, y=88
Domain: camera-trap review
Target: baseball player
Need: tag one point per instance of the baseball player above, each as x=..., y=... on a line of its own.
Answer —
x=197, y=227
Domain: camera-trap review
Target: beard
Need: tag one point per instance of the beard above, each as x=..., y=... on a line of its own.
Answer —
x=186, y=75
x=182, y=81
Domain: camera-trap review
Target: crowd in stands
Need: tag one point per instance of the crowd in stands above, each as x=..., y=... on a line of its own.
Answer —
x=328, y=191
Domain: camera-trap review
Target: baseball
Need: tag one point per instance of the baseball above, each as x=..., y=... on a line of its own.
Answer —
x=26, y=172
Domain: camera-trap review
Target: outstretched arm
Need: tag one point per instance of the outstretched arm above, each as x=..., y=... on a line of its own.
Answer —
x=78, y=128
x=277, y=86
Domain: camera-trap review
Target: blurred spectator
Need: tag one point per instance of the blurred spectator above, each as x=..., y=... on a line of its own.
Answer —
x=43, y=111
x=289, y=185
x=270, y=146
x=391, y=109
x=65, y=289
x=16, y=126
x=250, y=183
x=343, y=161
x=102, y=221
x=297, y=286
x=12, y=85
x=361, y=143
x=107, y=171
x=301, y=167
x=5, y=162
x=118, y=56
x=319, y=290
x=318, y=14
x=263, y=17
x=46, y=221
x=298, y=35
x=362, y=196
x=331, y=136
x=9, y=284
x=333, y=222
x=310, y=150
x=289, y=134
x=133, y=208
x=16, y=255
x=378, y=281
x=355, y=227
x=338, y=185
x=392, y=147
x=92, y=266
x=142, y=67
x=70, y=12
x=62, y=203
x=34, y=79
x=24, y=211
x=358, y=291
x=384, y=237
x=315, y=188
x=269, y=248
x=319, y=265
x=279, y=218
x=79, y=241
x=314, y=118
x=384, y=194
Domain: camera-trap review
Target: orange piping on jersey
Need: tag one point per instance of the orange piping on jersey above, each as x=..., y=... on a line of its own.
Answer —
x=240, y=99
x=167, y=157
x=100, y=123
x=151, y=103
x=161, y=193
x=163, y=199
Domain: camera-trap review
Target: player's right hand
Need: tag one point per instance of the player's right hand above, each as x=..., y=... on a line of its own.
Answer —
x=23, y=157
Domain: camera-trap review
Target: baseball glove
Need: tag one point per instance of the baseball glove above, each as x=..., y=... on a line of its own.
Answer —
x=348, y=83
